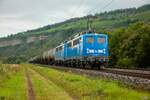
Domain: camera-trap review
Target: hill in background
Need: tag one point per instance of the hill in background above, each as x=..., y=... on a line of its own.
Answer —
x=125, y=26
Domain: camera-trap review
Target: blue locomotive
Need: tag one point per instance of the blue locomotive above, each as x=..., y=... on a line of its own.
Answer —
x=83, y=49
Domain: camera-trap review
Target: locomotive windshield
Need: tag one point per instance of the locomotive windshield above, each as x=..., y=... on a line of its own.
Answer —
x=90, y=39
x=101, y=40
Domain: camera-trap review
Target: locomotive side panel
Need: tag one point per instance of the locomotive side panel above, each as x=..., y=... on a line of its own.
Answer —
x=73, y=49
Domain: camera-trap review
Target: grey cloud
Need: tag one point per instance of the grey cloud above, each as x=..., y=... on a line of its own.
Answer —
x=20, y=15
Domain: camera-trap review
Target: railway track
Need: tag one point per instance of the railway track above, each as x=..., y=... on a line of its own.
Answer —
x=126, y=72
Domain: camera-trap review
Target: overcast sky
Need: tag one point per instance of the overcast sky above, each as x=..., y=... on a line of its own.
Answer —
x=21, y=15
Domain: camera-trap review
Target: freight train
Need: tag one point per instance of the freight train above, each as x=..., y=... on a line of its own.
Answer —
x=84, y=49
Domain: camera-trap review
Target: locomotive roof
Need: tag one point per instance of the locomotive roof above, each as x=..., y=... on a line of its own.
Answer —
x=83, y=33
x=79, y=34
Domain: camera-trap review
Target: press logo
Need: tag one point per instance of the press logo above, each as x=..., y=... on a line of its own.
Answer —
x=96, y=51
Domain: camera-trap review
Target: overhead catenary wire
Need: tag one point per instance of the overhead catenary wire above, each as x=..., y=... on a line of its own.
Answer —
x=83, y=1
x=74, y=12
x=103, y=7
x=108, y=4
x=89, y=22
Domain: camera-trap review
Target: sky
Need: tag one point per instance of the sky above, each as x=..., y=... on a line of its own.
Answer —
x=21, y=15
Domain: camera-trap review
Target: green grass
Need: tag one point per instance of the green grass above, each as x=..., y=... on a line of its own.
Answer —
x=13, y=87
x=45, y=89
x=59, y=85
x=5, y=72
x=84, y=88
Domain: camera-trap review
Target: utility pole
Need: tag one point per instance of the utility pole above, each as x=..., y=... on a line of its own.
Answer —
x=89, y=24
x=42, y=38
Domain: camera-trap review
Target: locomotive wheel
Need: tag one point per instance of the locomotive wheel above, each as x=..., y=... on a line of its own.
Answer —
x=78, y=64
x=83, y=64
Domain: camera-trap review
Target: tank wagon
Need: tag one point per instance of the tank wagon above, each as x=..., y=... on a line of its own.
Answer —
x=83, y=49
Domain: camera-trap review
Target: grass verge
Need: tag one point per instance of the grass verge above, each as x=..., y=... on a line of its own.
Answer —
x=13, y=86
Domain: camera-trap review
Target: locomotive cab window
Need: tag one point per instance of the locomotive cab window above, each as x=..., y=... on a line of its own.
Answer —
x=76, y=42
x=69, y=44
x=101, y=40
x=59, y=48
x=90, y=39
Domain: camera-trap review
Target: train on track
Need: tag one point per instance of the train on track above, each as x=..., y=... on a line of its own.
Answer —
x=86, y=49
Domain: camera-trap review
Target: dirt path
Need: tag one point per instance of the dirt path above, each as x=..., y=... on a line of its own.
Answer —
x=47, y=82
x=31, y=95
